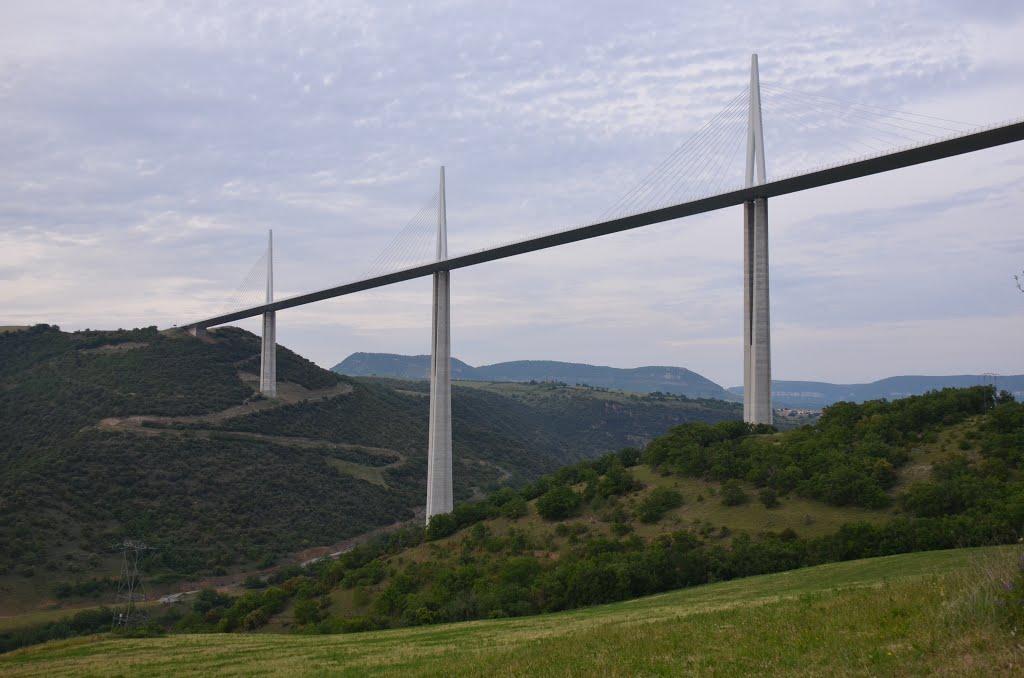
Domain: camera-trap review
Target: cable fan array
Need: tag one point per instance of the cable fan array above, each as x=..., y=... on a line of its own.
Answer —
x=416, y=243
x=803, y=131
x=253, y=288
x=702, y=165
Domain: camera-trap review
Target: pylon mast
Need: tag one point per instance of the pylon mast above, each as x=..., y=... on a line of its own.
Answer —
x=268, y=345
x=757, y=358
x=439, y=448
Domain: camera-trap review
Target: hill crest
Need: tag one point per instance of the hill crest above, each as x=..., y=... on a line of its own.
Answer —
x=646, y=379
x=817, y=394
x=669, y=379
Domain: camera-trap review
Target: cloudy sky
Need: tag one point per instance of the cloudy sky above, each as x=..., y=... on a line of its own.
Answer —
x=146, y=148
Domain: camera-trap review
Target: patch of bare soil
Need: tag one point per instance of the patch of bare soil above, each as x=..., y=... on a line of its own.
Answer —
x=116, y=348
x=287, y=394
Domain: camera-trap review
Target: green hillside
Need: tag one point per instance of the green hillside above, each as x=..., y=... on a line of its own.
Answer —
x=700, y=504
x=707, y=503
x=162, y=437
x=703, y=503
x=925, y=614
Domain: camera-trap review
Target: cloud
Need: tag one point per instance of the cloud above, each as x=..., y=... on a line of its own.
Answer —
x=147, y=148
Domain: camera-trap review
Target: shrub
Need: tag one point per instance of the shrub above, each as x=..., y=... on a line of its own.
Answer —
x=307, y=612
x=255, y=619
x=441, y=525
x=514, y=508
x=769, y=497
x=655, y=504
x=558, y=503
x=733, y=494
x=253, y=582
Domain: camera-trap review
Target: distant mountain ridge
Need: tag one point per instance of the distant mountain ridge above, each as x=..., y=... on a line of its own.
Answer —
x=675, y=380
x=816, y=394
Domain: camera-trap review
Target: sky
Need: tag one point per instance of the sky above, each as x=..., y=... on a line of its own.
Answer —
x=147, y=147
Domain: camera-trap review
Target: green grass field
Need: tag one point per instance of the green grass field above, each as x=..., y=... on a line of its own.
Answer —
x=919, y=614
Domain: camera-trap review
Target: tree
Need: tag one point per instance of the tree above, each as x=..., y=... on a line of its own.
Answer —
x=307, y=612
x=557, y=503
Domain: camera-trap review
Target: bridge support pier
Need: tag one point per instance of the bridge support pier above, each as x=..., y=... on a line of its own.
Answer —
x=439, y=448
x=268, y=345
x=757, y=356
x=268, y=356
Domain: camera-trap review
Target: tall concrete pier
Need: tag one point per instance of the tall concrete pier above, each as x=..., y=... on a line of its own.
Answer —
x=268, y=347
x=439, y=449
x=757, y=356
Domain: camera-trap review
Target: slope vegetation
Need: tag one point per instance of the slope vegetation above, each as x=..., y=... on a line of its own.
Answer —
x=162, y=437
x=910, y=615
x=701, y=504
x=707, y=503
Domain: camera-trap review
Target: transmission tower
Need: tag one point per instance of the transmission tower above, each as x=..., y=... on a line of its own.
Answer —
x=130, y=590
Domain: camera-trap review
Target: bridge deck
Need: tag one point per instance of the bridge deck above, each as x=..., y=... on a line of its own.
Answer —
x=945, y=148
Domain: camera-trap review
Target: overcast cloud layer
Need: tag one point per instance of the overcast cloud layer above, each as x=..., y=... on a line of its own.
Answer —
x=147, y=147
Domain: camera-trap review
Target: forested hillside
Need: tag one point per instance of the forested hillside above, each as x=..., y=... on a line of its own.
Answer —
x=162, y=437
x=704, y=503
x=701, y=504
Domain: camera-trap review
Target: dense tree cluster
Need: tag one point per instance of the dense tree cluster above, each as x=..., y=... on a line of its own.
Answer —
x=253, y=501
x=849, y=458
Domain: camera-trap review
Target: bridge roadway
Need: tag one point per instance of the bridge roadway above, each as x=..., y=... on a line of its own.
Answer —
x=945, y=148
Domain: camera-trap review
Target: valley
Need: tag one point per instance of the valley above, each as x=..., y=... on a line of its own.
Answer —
x=299, y=515
x=162, y=437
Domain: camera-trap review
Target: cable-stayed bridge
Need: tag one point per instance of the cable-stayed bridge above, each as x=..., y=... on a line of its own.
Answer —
x=689, y=182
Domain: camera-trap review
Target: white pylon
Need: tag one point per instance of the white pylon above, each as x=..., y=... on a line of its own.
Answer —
x=268, y=346
x=757, y=359
x=439, y=448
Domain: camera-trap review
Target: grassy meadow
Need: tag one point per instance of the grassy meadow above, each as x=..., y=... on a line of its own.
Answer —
x=921, y=614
